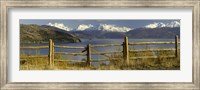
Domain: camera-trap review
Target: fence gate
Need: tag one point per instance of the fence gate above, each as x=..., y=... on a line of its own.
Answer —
x=52, y=53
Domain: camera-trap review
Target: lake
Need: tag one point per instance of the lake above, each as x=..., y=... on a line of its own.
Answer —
x=85, y=42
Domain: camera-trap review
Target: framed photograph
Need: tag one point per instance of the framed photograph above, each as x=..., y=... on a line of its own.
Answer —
x=103, y=44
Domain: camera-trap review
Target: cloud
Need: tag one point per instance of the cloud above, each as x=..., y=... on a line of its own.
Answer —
x=113, y=28
x=160, y=24
x=60, y=26
x=84, y=27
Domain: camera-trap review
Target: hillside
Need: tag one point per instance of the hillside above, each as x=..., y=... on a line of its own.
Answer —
x=40, y=34
x=88, y=34
x=138, y=33
x=165, y=32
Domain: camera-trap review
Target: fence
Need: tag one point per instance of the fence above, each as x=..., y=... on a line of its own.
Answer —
x=90, y=51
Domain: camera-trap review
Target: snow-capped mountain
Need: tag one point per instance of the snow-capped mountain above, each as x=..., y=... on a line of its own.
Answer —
x=162, y=32
x=60, y=26
x=111, y=27
x=103, y=27
x=154, y=30
x=83, y=27
x=160, y=25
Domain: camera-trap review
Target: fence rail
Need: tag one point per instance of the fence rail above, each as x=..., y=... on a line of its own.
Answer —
x=97, y=53
x=170, y=56
x=89, y=49
x=152, y=50
x=146, y=43
x=67, y=53
x=34, y=47
x=38, y=56
x=106, y=45
x=72, y=47
x=69, y=60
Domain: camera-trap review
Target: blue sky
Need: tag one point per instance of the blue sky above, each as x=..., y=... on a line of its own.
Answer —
x=76, y=22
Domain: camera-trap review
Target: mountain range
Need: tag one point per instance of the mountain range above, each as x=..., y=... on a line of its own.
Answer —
x=42, y=33
x=157, y=33
x=139, y=33
x=154, y=30
x=112, y=27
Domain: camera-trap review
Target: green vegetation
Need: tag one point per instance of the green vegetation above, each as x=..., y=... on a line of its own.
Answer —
x=41, y=34
x=160, y=63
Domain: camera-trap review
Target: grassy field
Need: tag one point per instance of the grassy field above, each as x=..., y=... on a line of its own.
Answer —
x=160, y=63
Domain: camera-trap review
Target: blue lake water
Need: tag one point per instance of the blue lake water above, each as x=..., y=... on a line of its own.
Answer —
x=85, y=42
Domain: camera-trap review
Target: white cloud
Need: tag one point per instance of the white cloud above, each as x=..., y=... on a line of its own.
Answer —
x=160, y=24
x=60, y=26
x=84, y=27
x=113, y=28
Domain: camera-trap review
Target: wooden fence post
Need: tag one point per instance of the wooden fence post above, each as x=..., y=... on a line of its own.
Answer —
x=50, y=52
x=88, y=55
x=126, y=50
x=176, y=46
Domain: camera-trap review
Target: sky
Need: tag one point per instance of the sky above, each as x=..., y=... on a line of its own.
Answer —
x=74, y=23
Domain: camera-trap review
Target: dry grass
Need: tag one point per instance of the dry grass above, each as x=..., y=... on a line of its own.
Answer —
x=159, y=63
